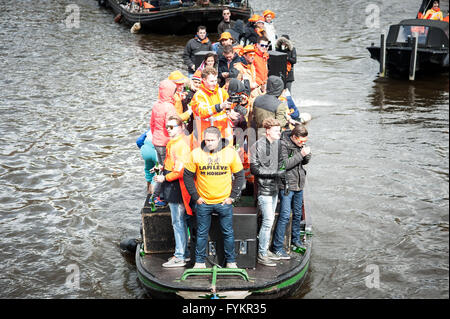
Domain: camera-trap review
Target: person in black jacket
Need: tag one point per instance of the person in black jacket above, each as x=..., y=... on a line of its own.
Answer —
x=226, y=68
x=294, y=154
x=264, y=166
x=284, y=44
x=199, y=43
x=226, y=22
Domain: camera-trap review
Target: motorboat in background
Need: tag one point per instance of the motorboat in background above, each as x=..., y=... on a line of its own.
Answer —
x=413, y=46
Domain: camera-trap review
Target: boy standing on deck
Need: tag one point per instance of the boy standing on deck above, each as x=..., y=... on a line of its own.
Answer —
x=294, y=154
x=264, y=166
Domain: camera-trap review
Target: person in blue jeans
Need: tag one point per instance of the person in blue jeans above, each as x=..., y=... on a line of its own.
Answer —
x=294, y=154
x=213, y=165
x=264, y=166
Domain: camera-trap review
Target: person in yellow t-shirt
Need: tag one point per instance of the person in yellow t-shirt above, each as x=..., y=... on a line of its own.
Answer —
x=208, y=179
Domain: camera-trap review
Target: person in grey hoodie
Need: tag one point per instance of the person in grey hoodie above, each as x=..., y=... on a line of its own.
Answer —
x=268, y=105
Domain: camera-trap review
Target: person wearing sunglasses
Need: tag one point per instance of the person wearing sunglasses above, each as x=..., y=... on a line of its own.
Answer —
x=226, y=22
x=294, y=154
x=260, y=62
x=162, y=109
x=177, y=153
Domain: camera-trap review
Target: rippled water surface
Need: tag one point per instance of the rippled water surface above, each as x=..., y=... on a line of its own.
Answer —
x=73, y=101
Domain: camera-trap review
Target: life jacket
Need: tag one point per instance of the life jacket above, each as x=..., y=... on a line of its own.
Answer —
x=203, y=105
x=434, y=14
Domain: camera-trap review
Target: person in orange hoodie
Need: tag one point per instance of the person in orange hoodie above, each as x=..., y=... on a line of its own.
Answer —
x=174, y=190
x=162, y=109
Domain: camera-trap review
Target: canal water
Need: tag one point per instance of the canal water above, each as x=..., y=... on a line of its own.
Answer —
x=74, y=98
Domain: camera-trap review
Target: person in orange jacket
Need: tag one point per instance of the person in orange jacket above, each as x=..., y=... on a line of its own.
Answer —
x=174, y=190
x=180, y=81
x=260, y=62
x=247, y=72
x=209, y=105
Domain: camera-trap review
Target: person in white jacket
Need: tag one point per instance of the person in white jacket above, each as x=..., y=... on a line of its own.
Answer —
x=270, y=28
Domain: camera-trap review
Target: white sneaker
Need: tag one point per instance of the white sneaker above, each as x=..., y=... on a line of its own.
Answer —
x=272, y=256
x=199, y=266
x=174, y=262
x=231, y=265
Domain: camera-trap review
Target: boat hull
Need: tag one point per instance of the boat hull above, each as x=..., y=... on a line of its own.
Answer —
x=166, y=283
x=181, y=20
x=398, y=60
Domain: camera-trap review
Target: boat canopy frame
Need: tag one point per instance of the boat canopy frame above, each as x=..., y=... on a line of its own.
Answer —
x=437, y=33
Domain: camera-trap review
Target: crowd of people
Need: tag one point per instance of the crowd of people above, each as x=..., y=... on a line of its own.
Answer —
x=146, y=6
x=226, y=126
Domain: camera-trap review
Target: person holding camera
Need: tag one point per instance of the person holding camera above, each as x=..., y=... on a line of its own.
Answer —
x=211, y=106
x=238, y=110
x=294, y=154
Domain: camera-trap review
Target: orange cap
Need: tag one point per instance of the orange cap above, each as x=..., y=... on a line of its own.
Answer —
x=254, y=18
x=247, y=49
x=177, y=77
x=197, y=75
x=267, y=12
x=225, y=36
